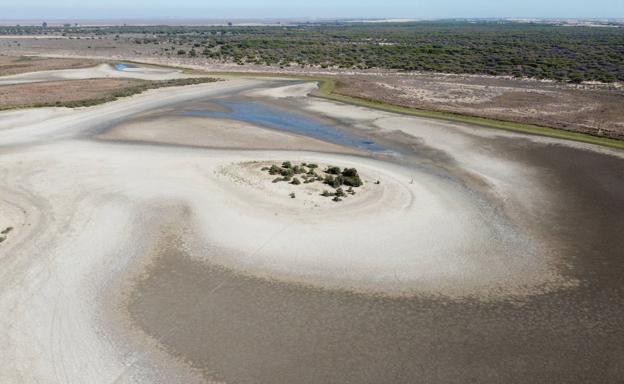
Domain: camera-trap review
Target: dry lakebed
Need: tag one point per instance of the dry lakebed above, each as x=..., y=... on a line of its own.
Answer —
x=150, y=242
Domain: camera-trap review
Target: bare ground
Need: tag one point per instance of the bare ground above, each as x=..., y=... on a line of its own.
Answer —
x=61, y=92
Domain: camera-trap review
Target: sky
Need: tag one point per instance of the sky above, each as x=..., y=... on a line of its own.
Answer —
x=244, y=9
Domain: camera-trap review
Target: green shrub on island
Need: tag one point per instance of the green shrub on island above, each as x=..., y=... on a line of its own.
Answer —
x=333, y=176
x=332, y=181
x=287, y=172
x=351, y=177
x=333, y=170
x=274, y=170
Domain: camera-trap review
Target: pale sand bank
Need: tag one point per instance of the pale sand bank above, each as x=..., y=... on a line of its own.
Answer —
x=215, y=133
x=100, y=71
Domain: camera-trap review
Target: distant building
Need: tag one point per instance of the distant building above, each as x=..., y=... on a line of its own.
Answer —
x=67, y=25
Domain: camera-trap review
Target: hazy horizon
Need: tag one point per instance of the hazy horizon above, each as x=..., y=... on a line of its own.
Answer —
x=320, y=9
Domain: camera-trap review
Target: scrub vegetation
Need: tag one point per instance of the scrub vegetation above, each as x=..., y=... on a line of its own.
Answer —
x=542, y=51
x=334, y=177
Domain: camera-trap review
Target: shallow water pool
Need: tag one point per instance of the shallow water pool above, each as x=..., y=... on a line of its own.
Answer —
x=276, y=118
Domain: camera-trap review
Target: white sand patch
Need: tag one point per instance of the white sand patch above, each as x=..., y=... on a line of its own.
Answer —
x=100, y=71
x=297, y=90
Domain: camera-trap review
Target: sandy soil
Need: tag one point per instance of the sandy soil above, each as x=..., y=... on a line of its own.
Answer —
x=214, y=133
x=163, y=253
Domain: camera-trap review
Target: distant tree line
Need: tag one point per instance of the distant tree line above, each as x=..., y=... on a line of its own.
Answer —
x=572, y=54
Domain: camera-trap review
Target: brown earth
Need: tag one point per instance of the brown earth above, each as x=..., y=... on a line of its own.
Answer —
x=596, y=110
x=10, y=65
x=62, y=92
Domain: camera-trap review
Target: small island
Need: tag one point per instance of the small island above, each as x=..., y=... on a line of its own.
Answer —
x=335, y=178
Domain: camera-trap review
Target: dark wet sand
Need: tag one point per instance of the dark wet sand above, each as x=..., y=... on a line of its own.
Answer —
x=247, y=330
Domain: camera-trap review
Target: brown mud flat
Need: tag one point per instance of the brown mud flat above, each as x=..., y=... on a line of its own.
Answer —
x=11, y=65
x=244, y=329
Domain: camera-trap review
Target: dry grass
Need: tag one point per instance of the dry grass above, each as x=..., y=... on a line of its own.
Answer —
x=60, y=92
x=595, y=110
x=80, y=93
x=10, y=65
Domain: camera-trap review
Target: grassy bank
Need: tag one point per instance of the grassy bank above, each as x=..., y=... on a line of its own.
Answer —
x=327, y=89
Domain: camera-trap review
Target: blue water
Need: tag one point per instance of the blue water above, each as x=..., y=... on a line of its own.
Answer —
x=122, y=67
x=266, y=116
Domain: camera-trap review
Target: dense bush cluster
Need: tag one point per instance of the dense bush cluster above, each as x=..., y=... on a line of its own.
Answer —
x=334, y=177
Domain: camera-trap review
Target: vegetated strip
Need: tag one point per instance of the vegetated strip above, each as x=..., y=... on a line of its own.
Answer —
x=125, y=92
x=327, y=90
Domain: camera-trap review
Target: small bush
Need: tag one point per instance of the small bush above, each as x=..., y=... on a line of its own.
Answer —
x=292, y=195
x=286, y=164
x=351, y=177
x=275, y=170
x=336, y=199
x=296, y=181
x=333, y=170
x=287, y=172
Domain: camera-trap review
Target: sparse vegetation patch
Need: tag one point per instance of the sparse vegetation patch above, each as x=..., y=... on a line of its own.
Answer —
x=4, y=234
